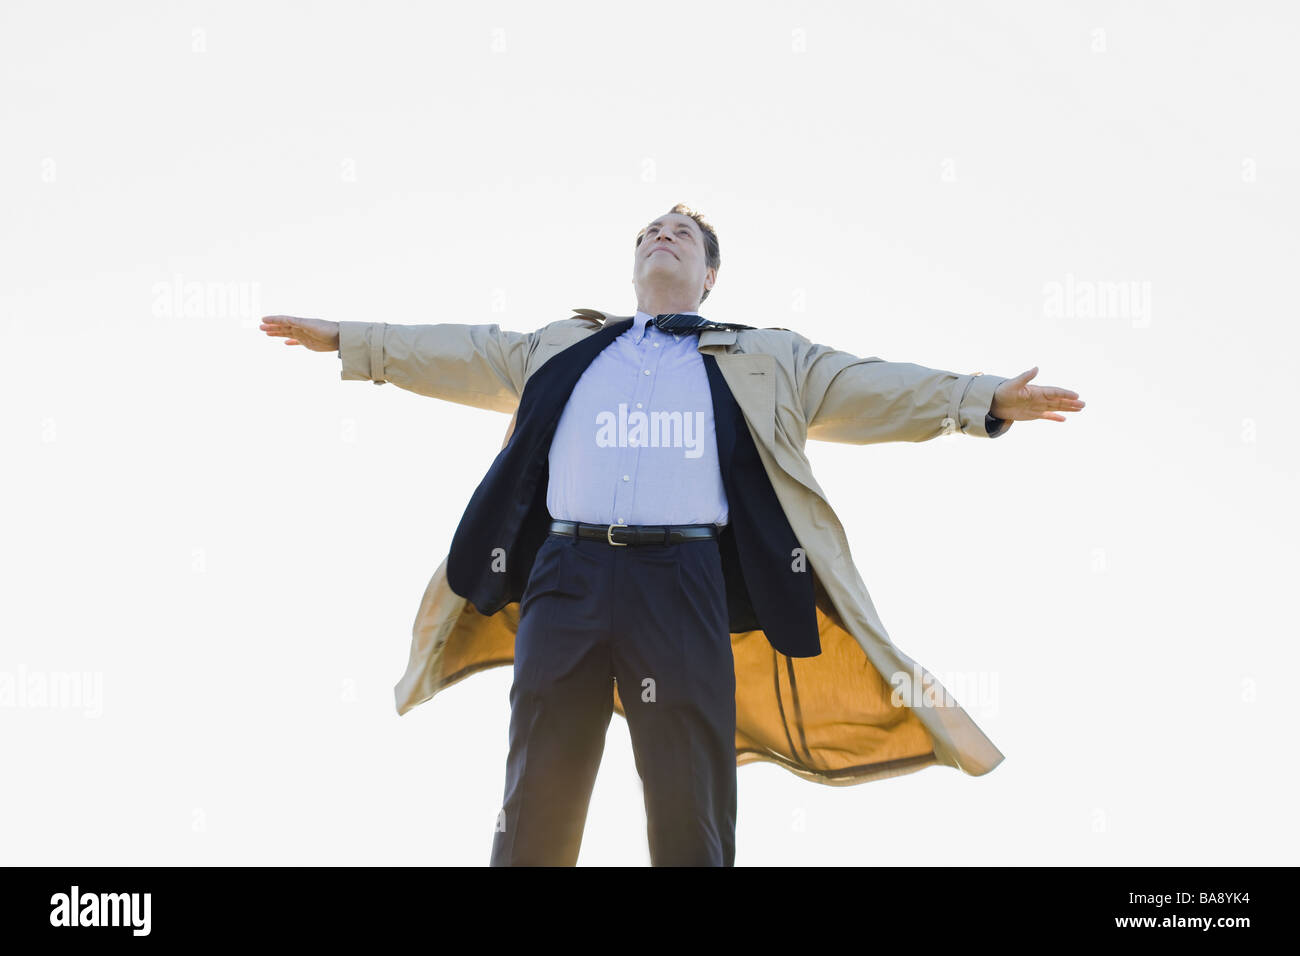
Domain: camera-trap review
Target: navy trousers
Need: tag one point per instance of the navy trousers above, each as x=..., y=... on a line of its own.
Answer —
x=654, y=619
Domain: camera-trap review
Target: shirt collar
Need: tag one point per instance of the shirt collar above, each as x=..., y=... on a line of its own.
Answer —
x=643, y=320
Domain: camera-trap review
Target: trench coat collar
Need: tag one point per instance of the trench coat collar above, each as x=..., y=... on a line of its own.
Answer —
x=707, y=337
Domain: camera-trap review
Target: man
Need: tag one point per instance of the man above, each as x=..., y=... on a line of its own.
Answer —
x=650, y=539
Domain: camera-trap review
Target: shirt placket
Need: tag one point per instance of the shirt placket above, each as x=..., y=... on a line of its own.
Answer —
x=649, y=350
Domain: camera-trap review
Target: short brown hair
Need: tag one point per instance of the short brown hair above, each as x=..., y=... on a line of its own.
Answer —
x=712, y=254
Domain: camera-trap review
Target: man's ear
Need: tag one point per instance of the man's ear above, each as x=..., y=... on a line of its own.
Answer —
x=710, y=277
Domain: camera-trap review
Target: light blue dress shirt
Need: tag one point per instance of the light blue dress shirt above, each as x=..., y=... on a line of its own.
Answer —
x=635, y=442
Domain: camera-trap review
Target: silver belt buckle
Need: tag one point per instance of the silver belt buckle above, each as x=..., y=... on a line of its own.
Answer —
x=609, y=535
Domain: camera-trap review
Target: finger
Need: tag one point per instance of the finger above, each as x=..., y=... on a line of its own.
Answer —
x=1050, y=416
x=1056, y=398
x=1026, y=375
x=292, y=342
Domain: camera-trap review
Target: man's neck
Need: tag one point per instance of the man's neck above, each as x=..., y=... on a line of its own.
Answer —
x=663, y=304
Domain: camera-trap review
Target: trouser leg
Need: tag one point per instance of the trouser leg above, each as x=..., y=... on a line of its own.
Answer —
x=677, y=682
x=561, y=700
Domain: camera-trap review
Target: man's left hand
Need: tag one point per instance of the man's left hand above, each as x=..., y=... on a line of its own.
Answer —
x=1018, y=401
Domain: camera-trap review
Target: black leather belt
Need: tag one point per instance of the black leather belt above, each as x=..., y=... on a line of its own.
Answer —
x=624, y=534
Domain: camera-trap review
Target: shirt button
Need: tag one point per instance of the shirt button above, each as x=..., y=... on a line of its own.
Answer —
x=626, y=478
x=656, y=345
x=645, y=371
x=638, y=404
x=620, y=520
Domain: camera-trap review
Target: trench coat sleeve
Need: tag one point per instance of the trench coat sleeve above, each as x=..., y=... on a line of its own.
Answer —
x=480, y=365
x=861, y=401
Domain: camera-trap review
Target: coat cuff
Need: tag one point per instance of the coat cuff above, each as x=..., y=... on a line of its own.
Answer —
x=361, y=351
x=972, y=413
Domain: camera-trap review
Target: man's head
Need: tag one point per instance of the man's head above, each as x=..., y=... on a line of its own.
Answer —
x=676, y=261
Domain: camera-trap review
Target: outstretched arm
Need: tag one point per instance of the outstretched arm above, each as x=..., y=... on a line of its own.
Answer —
x=479, y=365
x=847, y=398
x=859, y=401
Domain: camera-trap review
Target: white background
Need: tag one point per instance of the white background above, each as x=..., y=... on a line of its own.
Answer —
x=232, y=543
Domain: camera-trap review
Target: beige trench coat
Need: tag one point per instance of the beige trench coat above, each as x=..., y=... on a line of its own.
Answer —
x=861, y=710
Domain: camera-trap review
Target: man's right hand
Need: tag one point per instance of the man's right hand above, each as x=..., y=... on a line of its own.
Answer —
x=319, y=335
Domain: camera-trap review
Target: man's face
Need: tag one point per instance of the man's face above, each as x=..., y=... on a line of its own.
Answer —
x=673, y=249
